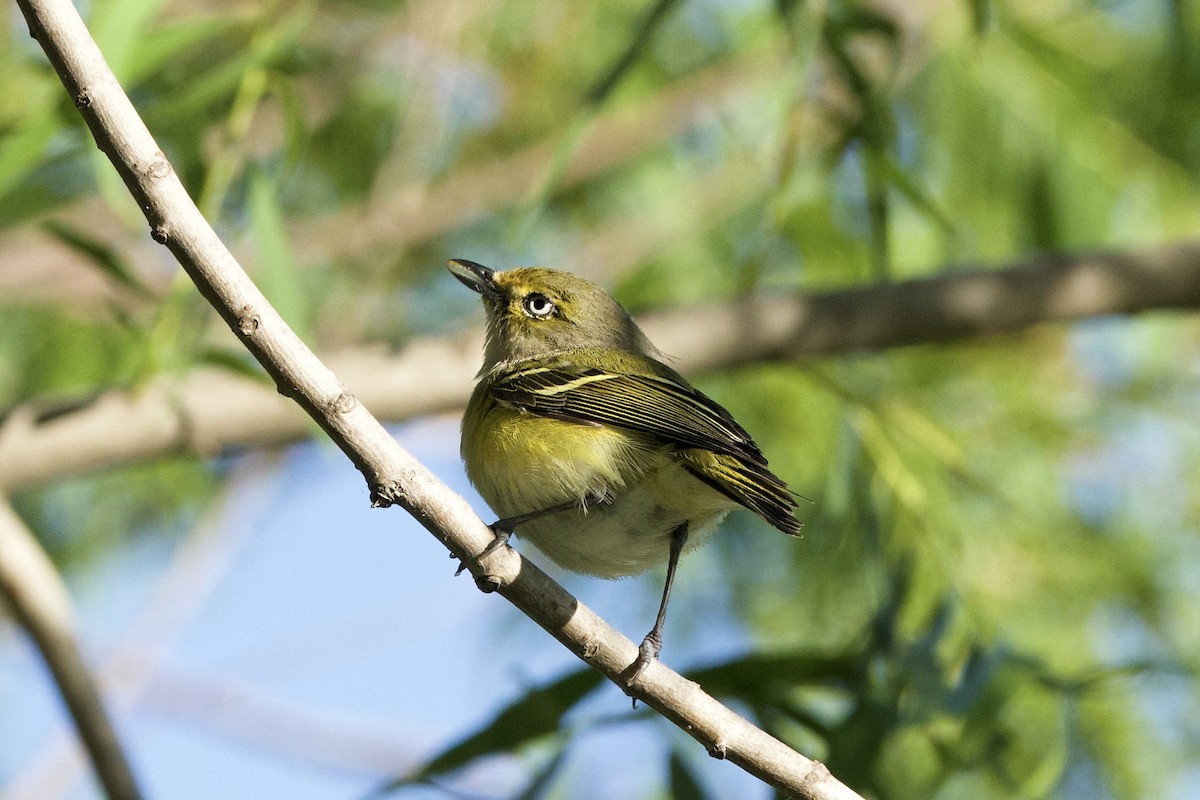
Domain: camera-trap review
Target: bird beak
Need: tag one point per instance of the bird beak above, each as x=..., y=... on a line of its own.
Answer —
x=475, y=276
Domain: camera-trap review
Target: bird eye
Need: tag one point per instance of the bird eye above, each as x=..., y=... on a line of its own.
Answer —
x=538, y=305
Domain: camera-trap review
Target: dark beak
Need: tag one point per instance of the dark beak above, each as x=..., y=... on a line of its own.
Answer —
x=475, y=276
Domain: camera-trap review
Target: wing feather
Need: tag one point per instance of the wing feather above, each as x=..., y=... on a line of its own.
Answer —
x=659, y=403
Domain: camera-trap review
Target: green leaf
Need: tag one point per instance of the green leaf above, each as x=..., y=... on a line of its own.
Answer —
x=851, y=18
x=916, y=194
x=981, y=15
x=654, y=19
x=765, y=676
x=351, y=145
x=786, y=8
x=684, y=784
x=543, y=780
x=120, y=27
x=235, y=361
x=171, y=41
x=276, y=272
x=108, y=260
x=21, y=149
x=539, y=713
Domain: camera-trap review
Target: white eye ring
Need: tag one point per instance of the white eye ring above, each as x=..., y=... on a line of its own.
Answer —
x=538, y=305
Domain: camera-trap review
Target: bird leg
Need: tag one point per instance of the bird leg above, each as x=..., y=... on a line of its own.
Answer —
x=503, y=529
x=652, y=645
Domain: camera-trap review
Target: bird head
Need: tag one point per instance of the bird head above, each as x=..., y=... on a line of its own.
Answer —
x=534, y=312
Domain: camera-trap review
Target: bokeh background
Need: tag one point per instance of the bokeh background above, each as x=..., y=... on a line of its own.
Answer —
x=996, y=595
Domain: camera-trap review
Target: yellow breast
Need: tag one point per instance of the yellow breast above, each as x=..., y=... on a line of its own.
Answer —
x=521, y=462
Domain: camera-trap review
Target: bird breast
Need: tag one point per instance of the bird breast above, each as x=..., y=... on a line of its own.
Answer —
x=530, y=463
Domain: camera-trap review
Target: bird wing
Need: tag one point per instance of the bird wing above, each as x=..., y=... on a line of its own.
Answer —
x=660, y=406
x=659, y=403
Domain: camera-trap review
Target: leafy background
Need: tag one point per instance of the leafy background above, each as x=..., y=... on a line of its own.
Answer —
x=996, y=593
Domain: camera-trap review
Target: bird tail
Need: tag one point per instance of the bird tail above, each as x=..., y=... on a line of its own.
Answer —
x=747, y=482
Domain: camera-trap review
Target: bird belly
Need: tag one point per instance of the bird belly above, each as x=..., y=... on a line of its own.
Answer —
x=632, y=532
x=530, y=463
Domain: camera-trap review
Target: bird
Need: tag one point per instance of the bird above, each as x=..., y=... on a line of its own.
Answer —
x=588, y=445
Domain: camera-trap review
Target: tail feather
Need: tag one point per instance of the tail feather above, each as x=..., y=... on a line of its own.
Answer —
x=748, y=483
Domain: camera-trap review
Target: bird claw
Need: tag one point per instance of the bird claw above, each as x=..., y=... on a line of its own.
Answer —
x=501, y=540
x=648, y=652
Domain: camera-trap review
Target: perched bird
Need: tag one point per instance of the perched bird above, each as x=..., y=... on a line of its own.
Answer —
x=584, y=441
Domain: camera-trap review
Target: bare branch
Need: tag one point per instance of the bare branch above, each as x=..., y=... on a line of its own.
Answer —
x=128, y=668
x=211, y=411
x=953, y=305
x=393, y=475
x=34, y=590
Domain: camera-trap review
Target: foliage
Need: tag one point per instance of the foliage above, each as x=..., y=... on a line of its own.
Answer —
x=993, y=522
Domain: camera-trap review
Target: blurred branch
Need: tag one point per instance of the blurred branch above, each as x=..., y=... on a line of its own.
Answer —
x=419, y=212
x=393, y=475
x=128, y=671
x=251, y=714
x=32, y=587
x=952, y=305
x=210, y=411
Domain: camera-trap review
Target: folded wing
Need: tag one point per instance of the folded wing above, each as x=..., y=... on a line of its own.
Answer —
x=657, y=402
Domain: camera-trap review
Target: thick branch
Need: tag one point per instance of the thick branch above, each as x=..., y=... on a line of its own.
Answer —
x=212, y=411
x=392, y=473
x=953, y=305
x=32, y=588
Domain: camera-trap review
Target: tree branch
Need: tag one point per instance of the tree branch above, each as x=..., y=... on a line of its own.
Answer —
x=213, y=411
x=392, y=474
x=39, y=600
x=128, y=668
x=952, y=305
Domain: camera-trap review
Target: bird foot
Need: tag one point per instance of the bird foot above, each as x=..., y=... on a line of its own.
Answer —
x=501, y=540
x=648, y=652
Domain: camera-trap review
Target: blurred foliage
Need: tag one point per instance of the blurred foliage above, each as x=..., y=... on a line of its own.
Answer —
x=996, y=590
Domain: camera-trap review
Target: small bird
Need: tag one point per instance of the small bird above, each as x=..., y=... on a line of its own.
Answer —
x=602, y=455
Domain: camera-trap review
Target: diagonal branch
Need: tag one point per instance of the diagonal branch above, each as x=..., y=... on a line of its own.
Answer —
x=211, y=411
x=32, y=588
x=393, y=475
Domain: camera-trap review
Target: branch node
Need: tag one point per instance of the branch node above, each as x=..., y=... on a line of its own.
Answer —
x=248, y=322
x=589, y=649
x=719, y=749
x=83, y=99
x=159, y=233
x=158, y=167
x=488, y=583
x=344, y=403
x=818, y=773
x=386, y=494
